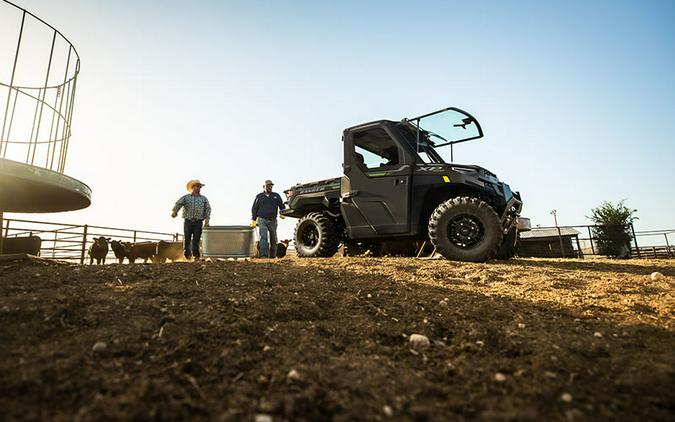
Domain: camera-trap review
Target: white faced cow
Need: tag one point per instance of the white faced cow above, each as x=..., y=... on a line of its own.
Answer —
x=117, y=247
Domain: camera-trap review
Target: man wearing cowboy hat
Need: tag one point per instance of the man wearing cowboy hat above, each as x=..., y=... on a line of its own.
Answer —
x=264, y=216
x=196, y=210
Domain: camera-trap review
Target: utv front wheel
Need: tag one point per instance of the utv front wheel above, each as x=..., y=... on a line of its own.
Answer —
x=465, y=229
x=316, y=235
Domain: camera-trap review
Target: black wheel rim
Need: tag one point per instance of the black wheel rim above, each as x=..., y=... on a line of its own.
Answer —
x=465, y=231
x=310, y=236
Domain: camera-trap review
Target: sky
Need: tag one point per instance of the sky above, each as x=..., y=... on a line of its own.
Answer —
x=576, y=98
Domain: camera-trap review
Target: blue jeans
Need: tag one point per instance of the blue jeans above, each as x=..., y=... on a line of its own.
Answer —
x=192, y=231
x=268, y=247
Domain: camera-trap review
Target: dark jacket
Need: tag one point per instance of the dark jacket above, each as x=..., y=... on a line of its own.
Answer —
x=265, y=206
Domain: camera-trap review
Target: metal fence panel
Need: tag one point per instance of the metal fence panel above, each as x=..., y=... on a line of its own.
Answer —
x=70, y=242
x=585, y=241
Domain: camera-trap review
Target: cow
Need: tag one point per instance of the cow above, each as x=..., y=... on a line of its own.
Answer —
x=27, y=244
x=117, y=247
x=143, y=250
x=281, y=248
x=169, y=250
x=98, y=250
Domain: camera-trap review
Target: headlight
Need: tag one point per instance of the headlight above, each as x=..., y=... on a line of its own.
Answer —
x=464, y=170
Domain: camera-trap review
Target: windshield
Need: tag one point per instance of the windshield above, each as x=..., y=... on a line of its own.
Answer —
x=424, y=145
x=444, y=127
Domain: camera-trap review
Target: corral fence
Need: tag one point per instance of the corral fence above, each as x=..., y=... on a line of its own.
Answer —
x=594, y=240
x=70, y=242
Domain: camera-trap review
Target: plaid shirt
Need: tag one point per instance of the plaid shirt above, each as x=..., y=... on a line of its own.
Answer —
x=195, y=207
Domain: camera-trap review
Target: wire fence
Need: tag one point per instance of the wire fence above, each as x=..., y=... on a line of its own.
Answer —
x=70, y=242
x=585, y=241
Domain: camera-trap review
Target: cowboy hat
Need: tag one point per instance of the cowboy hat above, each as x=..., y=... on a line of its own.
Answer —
x=191, y=183
x=268, y=182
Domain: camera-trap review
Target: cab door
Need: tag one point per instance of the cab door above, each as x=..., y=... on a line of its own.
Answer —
x=376, y=186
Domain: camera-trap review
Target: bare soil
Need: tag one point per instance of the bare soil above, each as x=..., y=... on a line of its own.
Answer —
x=327, y=339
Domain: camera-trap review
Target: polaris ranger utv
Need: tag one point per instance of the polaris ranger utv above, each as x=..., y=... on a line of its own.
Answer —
x=397, y=192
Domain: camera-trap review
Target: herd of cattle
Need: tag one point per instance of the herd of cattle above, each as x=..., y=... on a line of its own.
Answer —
x=157, y=252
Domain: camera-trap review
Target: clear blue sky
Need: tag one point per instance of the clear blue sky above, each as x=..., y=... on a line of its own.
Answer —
x=577, y=99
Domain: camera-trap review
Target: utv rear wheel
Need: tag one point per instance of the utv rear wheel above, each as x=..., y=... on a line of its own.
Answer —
x=316, y=235
x=465, y=229
x=509, y=246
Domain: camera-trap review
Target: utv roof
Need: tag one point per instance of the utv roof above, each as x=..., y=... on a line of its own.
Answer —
x=373, y=123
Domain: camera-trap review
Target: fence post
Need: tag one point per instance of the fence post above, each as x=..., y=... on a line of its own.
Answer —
x=84, y=244
x=562, y=248
x=134, y=236
x=637, y=248
x=667, y=244
x=590, y=238
x=1, y=235
x=56, y=234
x=581, y=254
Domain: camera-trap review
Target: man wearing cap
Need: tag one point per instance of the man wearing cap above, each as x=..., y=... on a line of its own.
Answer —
x=264, y=216
x=196, y=210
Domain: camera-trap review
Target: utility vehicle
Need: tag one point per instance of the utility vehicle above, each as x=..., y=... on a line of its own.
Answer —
x=397, y=195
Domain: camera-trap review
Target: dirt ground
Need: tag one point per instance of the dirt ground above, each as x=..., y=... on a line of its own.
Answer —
x=328, y=339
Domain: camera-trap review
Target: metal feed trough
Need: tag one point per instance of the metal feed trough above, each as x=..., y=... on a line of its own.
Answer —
x=228, y=242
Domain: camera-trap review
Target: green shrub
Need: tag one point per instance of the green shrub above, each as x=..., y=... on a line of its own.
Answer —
x=613, y=234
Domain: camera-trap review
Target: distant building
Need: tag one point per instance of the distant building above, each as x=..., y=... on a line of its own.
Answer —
x=546, y=243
